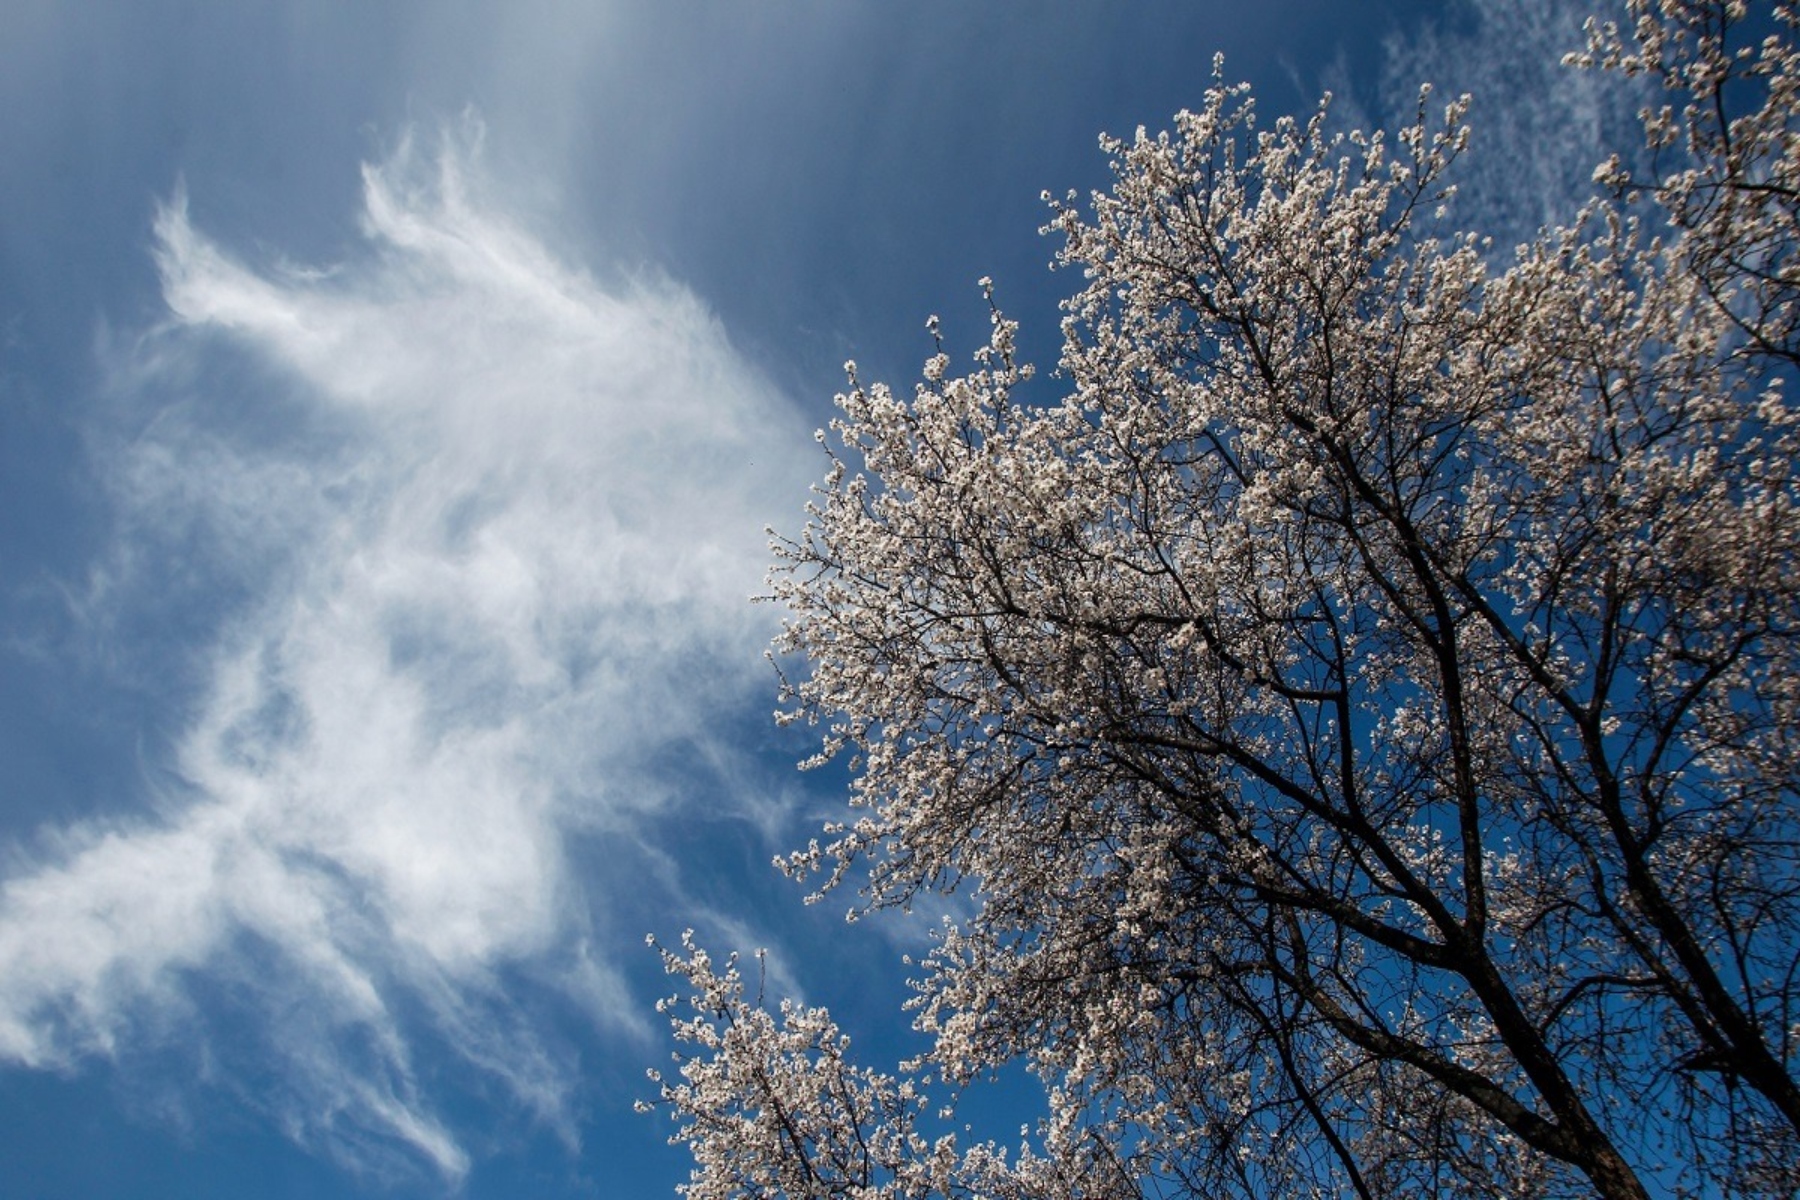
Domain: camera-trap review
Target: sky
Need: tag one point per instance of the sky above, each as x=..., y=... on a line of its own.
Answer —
x=393, y=398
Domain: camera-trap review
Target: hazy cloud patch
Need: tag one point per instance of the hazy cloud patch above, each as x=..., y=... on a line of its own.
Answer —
x=1539, y=127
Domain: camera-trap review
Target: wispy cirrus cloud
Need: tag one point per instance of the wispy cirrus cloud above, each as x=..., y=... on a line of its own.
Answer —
x=1539, y=127
x=471, y=535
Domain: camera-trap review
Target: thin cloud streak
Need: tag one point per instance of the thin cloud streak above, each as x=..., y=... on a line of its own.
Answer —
x=1539, y=127
x=490, y=538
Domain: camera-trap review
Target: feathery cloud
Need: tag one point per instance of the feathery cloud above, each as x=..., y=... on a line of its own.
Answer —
x=473, y=546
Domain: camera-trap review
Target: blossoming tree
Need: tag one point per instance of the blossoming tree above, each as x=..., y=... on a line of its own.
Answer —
x=1364, y=712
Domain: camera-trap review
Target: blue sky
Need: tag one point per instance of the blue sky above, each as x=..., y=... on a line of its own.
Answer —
x=392, y=398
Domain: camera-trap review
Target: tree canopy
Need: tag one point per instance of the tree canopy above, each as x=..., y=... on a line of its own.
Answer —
x=1363, y=710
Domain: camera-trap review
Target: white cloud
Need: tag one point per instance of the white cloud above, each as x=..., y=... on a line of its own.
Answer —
x=1539, y=127
x=476, y=551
